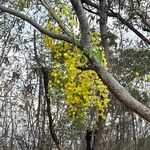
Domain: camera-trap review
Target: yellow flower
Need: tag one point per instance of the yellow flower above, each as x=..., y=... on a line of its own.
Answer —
x=83, y=90
x=57, y=65
x=137, y=74
x=148, y=78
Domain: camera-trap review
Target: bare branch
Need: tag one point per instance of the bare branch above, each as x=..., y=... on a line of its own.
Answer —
x=120, y=18
x=146, y=29
x=123, y=21
x=143, y=17
x=37, y=26
x=57, y=19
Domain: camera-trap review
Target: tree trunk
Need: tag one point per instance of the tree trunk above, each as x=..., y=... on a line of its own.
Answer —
x=53, y=134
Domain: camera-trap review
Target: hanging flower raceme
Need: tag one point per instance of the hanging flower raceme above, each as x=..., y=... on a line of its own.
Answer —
x=82, y=91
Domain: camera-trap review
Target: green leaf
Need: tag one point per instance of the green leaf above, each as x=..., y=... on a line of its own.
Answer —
x=21, y=4
x=99, y=55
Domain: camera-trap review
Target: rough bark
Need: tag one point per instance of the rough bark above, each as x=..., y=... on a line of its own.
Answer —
x=103, y=28
x=104, y=42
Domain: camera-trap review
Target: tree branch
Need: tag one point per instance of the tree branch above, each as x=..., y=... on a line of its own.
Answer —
x=45, y=73
x=120, y=18
x=37, y=26
x=146, y=29
x=84, y=26
x=57, y=19
x=88, y=2
x=51, y=128
x=118, y=90
x=103, y=28
x=143, y=19
x=123, y=21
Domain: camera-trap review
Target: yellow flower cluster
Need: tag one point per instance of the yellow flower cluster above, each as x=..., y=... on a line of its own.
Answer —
x=82, y=90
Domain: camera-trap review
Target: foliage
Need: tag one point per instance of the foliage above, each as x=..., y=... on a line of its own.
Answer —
x=21, y=4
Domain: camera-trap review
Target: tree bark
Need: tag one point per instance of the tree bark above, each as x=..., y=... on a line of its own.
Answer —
x=97, y=144
x=98, y=139
x=103, y=28
x=51, y=128
x=88, y=139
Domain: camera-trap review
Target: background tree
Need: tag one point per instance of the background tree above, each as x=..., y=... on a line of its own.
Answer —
x=28, y=113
